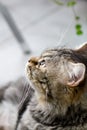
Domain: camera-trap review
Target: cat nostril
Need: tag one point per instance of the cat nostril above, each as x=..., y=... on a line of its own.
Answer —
x=29, y=60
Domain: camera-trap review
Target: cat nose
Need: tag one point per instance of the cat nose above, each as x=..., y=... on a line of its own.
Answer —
x=33, y=61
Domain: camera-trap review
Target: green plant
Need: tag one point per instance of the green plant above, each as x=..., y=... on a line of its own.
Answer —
x=71, y=4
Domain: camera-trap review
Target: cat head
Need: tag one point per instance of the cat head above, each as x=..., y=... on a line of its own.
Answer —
x=58, y=75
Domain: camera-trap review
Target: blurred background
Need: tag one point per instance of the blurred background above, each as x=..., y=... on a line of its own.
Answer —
x=27, y=27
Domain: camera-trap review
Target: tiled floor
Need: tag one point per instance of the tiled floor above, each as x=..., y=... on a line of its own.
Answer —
x=43, y=24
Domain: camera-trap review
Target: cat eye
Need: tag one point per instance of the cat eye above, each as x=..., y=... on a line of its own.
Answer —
x=42, y=62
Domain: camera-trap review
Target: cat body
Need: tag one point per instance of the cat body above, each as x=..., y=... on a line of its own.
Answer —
x=55, y=97
x=12, y=97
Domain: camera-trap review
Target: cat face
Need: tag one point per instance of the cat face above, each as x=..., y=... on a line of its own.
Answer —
x=56, y=75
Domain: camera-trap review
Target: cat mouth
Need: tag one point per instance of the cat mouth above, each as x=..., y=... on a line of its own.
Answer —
x=43, y=81
x=34, y=73
x=29, y=71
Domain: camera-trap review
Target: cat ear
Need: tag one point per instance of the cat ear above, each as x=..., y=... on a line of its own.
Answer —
x=76, y=72
x=82, y=49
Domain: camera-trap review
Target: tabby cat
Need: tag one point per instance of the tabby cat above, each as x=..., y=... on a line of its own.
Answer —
x=54, y=98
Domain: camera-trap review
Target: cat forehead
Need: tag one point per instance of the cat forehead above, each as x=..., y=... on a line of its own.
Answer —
x=56, y=52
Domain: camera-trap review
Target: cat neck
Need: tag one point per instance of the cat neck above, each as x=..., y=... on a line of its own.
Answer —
x=75, y=116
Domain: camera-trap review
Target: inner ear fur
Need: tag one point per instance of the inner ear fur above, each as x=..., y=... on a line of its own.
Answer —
x=76, y=73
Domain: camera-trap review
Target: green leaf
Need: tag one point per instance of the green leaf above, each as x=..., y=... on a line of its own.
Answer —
x=78, y=27
x=79, y=32
x=77, y=17
x=58, y=2
x=71, y=3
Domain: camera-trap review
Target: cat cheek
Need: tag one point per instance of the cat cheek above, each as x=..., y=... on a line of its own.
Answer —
x=42, y=69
